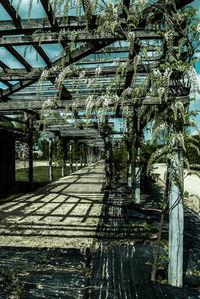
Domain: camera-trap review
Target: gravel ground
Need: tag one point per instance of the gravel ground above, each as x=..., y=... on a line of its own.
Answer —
x=62, y=214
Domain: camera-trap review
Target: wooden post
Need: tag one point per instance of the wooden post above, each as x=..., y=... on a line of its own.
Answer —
x=63, y=160
x=107, y=161
x=110, y=160
x=129, y=176
x=176, y=220
x=75, y=154
x=50, y=161
x=137, y=173
x=63, y=167
x=88, y=155
x=81, y=156
x=85, y=155
x=30, y=150
x=70, y=158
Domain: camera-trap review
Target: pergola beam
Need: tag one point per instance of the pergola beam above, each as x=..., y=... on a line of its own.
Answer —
x=38, y=104
x=30, y=26
x=88, y=36
x=90, y=71
x=12, y=13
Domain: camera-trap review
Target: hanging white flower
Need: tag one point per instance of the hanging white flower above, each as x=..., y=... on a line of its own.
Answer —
x=198, y=28
x=98, y=71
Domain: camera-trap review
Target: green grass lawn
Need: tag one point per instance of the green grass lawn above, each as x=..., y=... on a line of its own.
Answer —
x=40, y=178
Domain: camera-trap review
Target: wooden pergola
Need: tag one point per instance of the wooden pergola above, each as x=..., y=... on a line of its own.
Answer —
x=96, y=56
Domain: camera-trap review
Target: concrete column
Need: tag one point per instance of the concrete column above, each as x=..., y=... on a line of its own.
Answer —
x=88, y=155
x=63, y=167
x=137, y=174
x=30, y=150
x=129, y=176
x=50, y=161
x=176, y=220
x=70, y=158
x=81, y=156
x=107, y=162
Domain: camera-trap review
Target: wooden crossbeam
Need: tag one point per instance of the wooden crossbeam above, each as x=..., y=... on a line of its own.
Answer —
x=76, y=55
x=16, y=20
x=30, y=26
x=73, y=23
x=37, y=104
x=12, y=12
x=17, y=23
x=24, y=105
x=3, y=65
x=89, y=72
x=80, y=37
x=7, y=83
x=18, y=57
x=52, y=19
x=49, y=12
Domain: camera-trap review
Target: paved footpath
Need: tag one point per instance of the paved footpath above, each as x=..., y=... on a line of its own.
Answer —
x=43, y=234
x=57, y=215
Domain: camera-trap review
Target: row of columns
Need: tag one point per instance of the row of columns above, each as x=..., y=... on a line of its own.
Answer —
x=176, y=214
x=90, y=157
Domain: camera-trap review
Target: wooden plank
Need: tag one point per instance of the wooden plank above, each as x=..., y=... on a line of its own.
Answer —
x=12, y=51
x=49, y=38
x=14, y=106
x=12, y=12
x=3, y=65
x=30, y=26
x=76, y=55
x=49, y=12
x=89, y=71
x=51, y=16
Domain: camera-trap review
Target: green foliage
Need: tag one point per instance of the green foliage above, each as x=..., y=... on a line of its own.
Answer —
x=120, y=157
x=58, y=151
x=40, y=178
x=8, y=277
x=44, y=147
x=149, y=231
x=192, y=150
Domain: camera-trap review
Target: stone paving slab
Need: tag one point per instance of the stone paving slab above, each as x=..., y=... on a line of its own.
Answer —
x=62, y=214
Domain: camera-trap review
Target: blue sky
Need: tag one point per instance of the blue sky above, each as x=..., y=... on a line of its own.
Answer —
x=53, y=50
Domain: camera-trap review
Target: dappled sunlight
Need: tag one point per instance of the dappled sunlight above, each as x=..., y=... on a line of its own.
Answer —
x=64, y=213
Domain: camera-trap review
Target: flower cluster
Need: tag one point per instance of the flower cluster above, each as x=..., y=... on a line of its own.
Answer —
x=193, y=81
x=98, y=71
x=61, y=77
x=169, y=37
x=198, y=28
